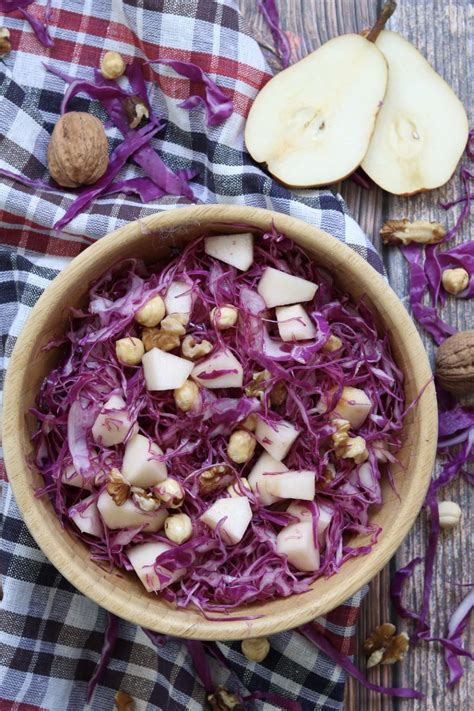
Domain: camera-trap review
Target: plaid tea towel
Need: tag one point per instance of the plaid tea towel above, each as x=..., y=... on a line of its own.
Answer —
x=51, y=636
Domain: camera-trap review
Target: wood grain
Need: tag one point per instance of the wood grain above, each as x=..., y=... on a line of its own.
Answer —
x=151, y=239
x=439, y=29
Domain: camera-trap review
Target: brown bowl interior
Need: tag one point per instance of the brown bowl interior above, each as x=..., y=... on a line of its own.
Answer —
x=123, y=594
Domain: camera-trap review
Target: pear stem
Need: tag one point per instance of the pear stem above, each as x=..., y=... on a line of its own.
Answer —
x=387, y=12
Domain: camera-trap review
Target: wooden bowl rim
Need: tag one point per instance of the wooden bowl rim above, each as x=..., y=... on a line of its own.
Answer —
x=175, y=622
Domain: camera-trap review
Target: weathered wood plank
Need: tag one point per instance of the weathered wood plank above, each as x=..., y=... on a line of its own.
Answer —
x=439, y=29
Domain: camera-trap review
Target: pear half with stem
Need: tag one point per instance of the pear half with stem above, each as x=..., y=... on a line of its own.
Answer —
x=312, y=123
x=422, y=128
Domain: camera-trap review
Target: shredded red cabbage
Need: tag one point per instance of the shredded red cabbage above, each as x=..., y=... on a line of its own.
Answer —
x=220, y=577
x=270, y=13
x=217, y=103
x=110, y=640
x=39, y=28
x=311, y=632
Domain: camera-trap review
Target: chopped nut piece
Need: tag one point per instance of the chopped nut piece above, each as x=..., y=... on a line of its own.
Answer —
x=117, y=487
x=278, y=394
x=135, y=110
x=155, y=338
x=332, y=344
x=187, y=397
x=241, y=446
x=256, y=387
x=193, y=350
x=145, y=500
x=170, y=492
x=5, y=44
x=129, y=350
x=449, y=514
x=250, y=422
x=406, y=232
x=123, y=701
x=355, y=449
x=384, y=646
x=152, y=312
x=215, y=478
x=329, y=473
x=256, y=649
x=112, y=65
x=455, y=280
x=224, y=700
x=224, y=317
x=178, y=528
x=340, y=437
x=174, y=324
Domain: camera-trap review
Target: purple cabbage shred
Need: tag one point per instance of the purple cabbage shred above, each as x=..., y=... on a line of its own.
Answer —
x=39, y=28
x=269, y=11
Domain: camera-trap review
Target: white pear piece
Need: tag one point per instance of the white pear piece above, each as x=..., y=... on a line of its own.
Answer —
x=265, y=464
x=128, y=515
x=294, y=324
x=179, y=299
x=279, y=288
x=297, y=543
x=292, y=485
x=354, y=405
x=422, y=127
x=236, y=250
x=113, y=422
x=312, y=123
x=143, y=557
x=139, y=467
x=87, y=520
x=220, y=370
x=277, y=438
x=302, y=511
x=165, y=371
x=237, y=514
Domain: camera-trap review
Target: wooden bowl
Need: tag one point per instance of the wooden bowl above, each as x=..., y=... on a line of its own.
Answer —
x=123, y=594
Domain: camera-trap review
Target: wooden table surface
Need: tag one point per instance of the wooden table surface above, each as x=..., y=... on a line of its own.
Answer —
x=439, y=29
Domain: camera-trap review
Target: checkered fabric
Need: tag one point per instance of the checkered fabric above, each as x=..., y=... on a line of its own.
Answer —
x=51, y=635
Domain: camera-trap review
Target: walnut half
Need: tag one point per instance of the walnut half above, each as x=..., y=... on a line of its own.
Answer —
x=224, y=700
x=383, y=646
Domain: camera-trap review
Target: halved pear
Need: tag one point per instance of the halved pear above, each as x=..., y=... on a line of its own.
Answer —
x=421, y=129
x=312, y=123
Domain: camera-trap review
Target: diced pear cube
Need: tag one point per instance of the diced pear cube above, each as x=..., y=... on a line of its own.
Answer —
x=302, y=511
x=354, y=406
x=128, y=515
x=70, y=477
x=88, y=520
x=143, y=557
x=298, y=484
x=220, y=370
x=236, y=250
x=139, y=467
x=113, y=422
x=296, y=542
x=165, y=371
x=265, y=464
x=237, y=514
x=179, y=299
x=276, y=439
x=294, y=324
x=278, y=288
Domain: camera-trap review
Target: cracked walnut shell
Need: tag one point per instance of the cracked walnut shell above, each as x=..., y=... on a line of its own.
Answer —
x=78, y=152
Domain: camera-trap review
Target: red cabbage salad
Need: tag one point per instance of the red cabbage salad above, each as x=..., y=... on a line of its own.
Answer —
x=220, y=422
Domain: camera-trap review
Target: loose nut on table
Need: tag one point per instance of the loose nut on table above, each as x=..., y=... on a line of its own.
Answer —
x=256, y=649
x=5, y=44
x=455, y=363
x=78, y=152
x=449, y=514
x=405, y=232
x=112, y=65
x=135, y=110
x=455, y=280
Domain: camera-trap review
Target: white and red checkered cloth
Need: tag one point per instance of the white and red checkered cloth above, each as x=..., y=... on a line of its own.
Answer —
x=51, y=636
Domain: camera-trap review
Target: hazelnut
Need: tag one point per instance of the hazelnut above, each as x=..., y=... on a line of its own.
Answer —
x=152, y=312
x=173, y=324
x=5, y=44
x=224, y=317
x=112, y=65
x=135, y=110
x=250, y=422
x=241, y=446
x=455, y=280
x=178, y=528
x=256, y=649
x=78, y=152
x=170, y=492
x=129, y=351
x=332, y=344
x=187, y=397
x=449, y=514
x=154, y=338
x=193, y=350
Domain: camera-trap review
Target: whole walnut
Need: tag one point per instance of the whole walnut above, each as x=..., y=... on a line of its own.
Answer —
x=455, y=363
x=78, y=150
